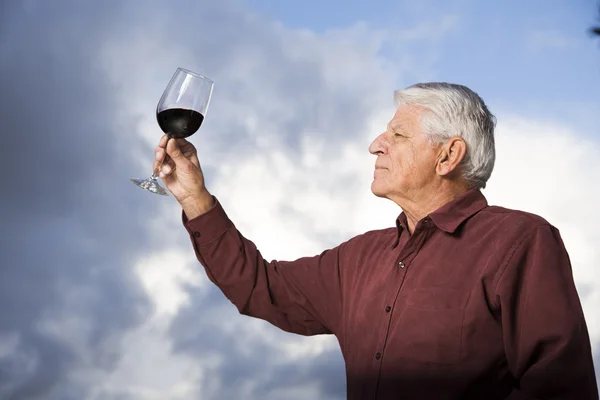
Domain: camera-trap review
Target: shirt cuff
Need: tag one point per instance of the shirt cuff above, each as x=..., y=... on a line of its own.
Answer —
x=209, y=226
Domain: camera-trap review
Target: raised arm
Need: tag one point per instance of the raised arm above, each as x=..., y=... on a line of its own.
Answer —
x=303, y=296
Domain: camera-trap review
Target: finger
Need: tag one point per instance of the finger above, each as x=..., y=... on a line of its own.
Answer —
x=159, y=153
x=159, y=164
x=163, y=140
x=194, y=159
x=166, y=170
x=156, y=166
x=186, y=147
x=189, y=151
x=174, y=152
x=181, y=142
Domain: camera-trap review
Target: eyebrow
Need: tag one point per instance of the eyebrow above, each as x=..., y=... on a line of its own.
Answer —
x=396, y=127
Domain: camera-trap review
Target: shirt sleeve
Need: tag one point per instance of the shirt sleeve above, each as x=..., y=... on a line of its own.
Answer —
x=301, y=296
x=546, y=339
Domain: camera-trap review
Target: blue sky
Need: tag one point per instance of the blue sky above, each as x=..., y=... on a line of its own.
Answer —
x=535, y=56
x=106, y=299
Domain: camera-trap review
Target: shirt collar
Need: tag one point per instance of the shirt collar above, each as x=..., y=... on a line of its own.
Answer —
x=452, y=214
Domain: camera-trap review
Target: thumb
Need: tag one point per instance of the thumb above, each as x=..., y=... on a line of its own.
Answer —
x=174, y=152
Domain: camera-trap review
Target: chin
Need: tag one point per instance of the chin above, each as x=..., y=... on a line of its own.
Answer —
x=378, y=190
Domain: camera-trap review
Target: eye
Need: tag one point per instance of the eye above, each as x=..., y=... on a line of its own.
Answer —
x=397, y=131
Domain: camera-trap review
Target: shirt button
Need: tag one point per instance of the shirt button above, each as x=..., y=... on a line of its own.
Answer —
x=197, y=234
x=388, y=309
x=377, y=356
x=401, y=264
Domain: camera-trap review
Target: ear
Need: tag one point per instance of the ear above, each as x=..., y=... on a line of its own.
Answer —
x=451, y=155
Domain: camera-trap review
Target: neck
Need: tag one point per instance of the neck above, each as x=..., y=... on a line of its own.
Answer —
x=422, y=202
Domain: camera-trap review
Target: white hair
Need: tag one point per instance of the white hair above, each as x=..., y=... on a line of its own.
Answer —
x=456, y=110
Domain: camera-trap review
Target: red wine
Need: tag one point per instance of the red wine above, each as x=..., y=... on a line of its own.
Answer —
x=179, y=122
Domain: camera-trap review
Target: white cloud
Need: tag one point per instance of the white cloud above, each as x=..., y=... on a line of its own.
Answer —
x=147, y=369
x=162, y=275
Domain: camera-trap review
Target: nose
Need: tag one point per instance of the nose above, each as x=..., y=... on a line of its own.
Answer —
x=379, y=145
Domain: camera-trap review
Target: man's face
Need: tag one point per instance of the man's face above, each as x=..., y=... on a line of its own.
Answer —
x=406, y=161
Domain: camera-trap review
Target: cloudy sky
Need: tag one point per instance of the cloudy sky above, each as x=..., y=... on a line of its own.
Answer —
x=101, y=296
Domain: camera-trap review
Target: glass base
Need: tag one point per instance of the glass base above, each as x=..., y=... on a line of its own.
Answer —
x=151, y=185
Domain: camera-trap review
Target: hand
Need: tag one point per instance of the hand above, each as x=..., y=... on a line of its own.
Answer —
x=182, y=175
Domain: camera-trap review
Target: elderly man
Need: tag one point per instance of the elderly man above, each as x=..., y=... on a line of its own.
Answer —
x=459, y=300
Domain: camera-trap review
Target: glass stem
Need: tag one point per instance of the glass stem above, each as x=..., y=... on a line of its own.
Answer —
x=159, y=166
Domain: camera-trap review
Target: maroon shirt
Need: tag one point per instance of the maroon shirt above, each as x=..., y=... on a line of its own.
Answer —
x=478, y=303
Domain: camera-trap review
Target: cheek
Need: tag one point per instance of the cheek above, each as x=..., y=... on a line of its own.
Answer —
x=426, y=163
x=405, y=162
x=396, y=167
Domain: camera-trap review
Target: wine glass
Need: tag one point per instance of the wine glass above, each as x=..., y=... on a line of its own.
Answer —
x=180, y=113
